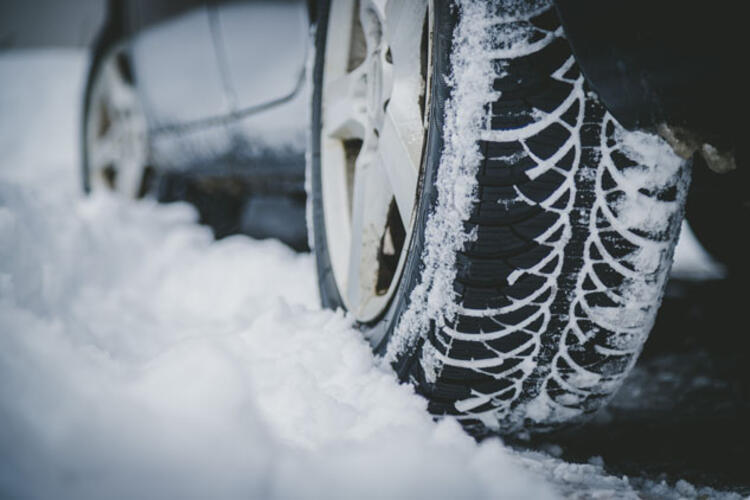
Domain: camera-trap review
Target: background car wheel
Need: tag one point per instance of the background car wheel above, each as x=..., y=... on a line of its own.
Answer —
x=500, y=239
x=115, y=144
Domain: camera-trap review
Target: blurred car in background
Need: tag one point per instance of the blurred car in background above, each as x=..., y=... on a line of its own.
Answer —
x=205, y=101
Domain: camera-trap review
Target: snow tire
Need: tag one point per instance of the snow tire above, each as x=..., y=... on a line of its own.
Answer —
x=544, y=231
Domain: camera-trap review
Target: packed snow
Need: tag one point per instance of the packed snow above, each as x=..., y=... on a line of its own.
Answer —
x=139, y=358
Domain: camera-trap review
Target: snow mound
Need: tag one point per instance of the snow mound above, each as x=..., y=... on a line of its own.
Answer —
x=141, y=359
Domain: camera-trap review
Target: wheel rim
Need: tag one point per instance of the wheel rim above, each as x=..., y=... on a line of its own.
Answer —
x=116, y=143
x=375, y=97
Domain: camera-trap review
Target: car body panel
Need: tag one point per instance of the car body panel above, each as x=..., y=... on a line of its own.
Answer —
x=268, y=144
x=265, y=48
x=177, y=72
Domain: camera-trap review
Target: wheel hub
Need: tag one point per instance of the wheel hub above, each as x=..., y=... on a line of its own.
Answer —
x=372, y=136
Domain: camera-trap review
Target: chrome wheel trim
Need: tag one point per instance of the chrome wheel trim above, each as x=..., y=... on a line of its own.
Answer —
x=116, y=132
x=375, y=98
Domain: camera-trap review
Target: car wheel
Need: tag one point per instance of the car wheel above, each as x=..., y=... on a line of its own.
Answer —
x=115, y=145
x=496, y=234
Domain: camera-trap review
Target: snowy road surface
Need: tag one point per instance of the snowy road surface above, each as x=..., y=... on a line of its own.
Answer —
x=141, y=359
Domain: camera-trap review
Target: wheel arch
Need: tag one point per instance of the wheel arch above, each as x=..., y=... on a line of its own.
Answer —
x=655, y=69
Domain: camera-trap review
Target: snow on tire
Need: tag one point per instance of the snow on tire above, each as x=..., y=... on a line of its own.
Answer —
x=543, y=232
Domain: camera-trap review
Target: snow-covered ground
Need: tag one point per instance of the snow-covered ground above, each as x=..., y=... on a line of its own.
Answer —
x=141, y=359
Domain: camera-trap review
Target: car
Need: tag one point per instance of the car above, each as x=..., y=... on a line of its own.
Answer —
x=202, y=100
x=494, y=188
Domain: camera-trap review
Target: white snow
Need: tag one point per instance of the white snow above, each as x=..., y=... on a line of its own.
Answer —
x=141, y=359
x=691, y=261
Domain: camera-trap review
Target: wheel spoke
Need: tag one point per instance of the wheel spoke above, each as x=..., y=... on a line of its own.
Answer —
x=400, y=153
x=344, y=107
x=372, y=19
x=402, y=137
x=130, y=176
x=372, y=198
x=403, y=34
x=105, y=150
x=345, y=115
x=338, y=40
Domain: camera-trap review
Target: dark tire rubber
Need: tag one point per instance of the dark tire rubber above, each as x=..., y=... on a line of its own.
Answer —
x=557, y=278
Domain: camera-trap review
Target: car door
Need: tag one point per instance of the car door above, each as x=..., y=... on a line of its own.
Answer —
x=175, y=61
x=264, y=46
